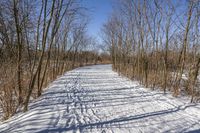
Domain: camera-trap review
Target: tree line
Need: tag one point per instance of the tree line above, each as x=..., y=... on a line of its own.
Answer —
x=40, y=40
x=157, y=43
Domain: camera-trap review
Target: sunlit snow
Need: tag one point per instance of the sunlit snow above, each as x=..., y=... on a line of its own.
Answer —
x=96, y=99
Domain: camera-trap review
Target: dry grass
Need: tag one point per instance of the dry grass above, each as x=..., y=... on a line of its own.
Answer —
x=9, y=88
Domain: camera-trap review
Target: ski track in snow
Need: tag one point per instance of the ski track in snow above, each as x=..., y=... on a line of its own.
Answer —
x=95, y=99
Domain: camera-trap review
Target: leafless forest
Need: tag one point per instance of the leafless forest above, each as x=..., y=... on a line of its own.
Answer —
x=40, y=40
x=157, y=43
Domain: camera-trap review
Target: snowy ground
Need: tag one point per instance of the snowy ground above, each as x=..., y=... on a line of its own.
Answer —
x=96, y=99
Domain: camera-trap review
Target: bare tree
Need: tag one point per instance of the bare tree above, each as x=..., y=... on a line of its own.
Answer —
x=145, y=39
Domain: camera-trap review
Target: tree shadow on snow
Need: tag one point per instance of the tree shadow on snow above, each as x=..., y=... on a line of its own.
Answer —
x=117, y=121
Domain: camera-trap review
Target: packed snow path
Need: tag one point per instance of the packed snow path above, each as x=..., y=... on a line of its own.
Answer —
x=96, y=99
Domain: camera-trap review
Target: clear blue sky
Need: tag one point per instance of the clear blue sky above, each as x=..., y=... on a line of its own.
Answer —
x=99, y=11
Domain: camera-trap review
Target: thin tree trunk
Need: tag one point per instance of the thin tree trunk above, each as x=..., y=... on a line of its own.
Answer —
x=19, y=41
x=183, y=53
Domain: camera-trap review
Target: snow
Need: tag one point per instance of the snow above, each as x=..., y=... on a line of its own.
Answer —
x=95, y=99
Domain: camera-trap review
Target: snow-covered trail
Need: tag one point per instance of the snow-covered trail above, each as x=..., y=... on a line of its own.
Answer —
x=95, y=99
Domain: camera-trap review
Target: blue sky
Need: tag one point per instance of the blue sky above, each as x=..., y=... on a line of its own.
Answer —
x=99, y=11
